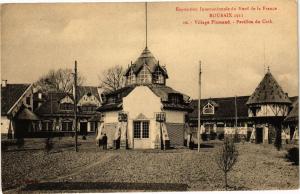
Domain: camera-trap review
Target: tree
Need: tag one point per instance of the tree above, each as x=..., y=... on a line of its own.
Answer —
x=112, y=78
x=226, y=157
x=60, y=80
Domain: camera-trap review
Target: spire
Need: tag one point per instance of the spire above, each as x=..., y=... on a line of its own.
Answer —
x=146, y=23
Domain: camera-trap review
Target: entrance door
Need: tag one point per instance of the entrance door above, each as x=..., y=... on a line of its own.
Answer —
x=259, y=135
x=141, y=134
x=83, y=128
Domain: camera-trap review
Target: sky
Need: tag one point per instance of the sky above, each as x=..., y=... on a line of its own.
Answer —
x=38, y=37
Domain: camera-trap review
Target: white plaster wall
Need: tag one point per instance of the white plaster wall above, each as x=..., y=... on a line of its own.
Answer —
x=142, y=100
x=4, y=124
x=111, y=117
x=174, y=116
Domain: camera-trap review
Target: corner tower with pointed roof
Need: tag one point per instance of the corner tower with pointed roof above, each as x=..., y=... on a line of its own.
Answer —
x=268, y=106
x=146, y=70
x=268, y=99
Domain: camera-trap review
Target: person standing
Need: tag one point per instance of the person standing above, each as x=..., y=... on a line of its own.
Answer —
x=104, y=141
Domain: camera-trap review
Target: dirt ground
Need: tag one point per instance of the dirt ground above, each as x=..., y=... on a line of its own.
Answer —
x=92, y=169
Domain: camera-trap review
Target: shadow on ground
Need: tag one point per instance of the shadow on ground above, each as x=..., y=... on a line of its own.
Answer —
x=105, y=186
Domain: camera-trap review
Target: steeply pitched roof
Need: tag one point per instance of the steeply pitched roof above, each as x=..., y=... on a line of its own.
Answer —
x=268, y=91
x=51, y=102
x=10, y=94
x=294, y=114
x=224, y=110
x=147, y=58
x=82, y=90
x=161, y=91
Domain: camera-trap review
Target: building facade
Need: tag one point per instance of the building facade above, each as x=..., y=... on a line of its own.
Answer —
x=56, y=111
x=145, y=114
x=17, y=115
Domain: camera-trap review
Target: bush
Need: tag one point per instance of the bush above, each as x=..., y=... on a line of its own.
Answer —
x=293, y=155
x=20, y=143
x=226, y=158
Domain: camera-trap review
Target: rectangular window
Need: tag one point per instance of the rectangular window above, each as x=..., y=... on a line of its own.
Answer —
x=66, y=106
x=137, y=129
x=50, y=126
x=141, y=129
x=93, y=126
x=47, y=126
x=44, y=126
x=145, y=130
x=66, y=125
x=28, y=100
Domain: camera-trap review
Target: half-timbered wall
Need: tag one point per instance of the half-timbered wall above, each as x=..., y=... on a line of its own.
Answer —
x=269, y=110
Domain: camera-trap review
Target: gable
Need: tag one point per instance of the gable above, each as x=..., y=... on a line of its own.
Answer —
x=88, y=100
x=11, y=94
x=208, y=109
x=66, y=100
x=141, y=100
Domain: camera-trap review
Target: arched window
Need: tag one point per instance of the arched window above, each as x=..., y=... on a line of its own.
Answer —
x=158, y=77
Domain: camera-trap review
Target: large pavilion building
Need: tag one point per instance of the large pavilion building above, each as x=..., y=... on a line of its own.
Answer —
x=145, y=114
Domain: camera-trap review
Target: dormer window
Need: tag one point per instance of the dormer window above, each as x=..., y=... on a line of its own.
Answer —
x=158, y=77
x=144, y=76
x=208, y=109
x=131, y=77
x=175, y=98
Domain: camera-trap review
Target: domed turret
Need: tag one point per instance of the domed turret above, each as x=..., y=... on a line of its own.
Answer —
x=146, y=70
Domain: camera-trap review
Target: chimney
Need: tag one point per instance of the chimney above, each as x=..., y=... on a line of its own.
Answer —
x=4, y=83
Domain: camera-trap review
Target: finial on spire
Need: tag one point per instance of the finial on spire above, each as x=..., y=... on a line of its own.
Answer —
x=268, y=69
x=146, y=23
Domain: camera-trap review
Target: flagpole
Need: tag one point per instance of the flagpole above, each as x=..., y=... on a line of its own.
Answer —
x=235, y=108
x=75, y=105
x=199, y=107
